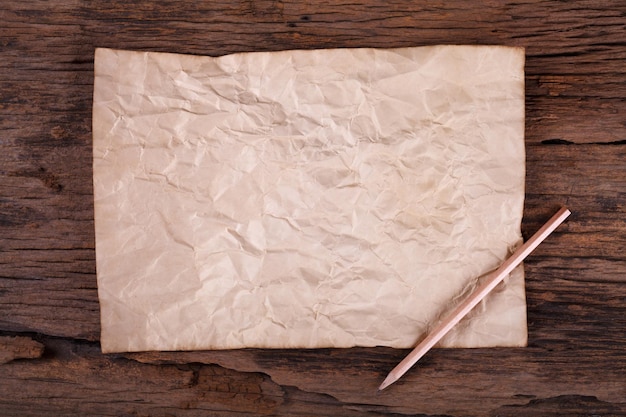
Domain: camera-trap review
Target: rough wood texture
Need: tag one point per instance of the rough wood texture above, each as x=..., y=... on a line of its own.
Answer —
x=19, y=347
x=576, y=155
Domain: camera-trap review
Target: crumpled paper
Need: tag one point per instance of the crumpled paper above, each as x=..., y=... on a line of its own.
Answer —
x=307, y=199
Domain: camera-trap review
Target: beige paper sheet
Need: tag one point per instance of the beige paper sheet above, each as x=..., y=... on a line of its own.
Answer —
x=325, y=198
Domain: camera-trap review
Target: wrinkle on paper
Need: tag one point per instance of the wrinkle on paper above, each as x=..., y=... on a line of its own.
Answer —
x=303, y=199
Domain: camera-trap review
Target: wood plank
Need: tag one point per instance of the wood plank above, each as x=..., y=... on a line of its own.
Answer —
x=570, y=79
x=252, y=381
x=51, y=251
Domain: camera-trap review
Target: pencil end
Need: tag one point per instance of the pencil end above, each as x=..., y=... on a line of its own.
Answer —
x=388, y=381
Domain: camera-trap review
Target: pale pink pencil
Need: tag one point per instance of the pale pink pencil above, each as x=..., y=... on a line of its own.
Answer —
x=492, y=281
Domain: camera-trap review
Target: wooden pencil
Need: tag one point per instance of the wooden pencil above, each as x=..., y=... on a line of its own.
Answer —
x=491, y=281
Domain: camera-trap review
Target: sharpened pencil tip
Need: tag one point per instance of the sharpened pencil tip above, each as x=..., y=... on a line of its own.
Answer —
x=388, y=381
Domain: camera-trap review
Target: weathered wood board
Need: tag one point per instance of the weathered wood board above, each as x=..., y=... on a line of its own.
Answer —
x=575, y=363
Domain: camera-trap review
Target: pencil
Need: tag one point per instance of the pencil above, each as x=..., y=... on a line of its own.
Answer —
x=492, y=280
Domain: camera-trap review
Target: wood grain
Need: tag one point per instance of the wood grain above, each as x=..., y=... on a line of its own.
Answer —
x=576, y=156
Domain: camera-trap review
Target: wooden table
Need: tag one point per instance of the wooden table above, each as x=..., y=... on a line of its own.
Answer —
x=575, y=363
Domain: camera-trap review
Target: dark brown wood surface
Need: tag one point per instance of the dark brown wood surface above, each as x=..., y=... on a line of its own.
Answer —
x=50, y=359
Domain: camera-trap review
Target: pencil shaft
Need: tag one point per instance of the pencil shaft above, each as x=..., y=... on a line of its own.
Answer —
x=476, y=297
